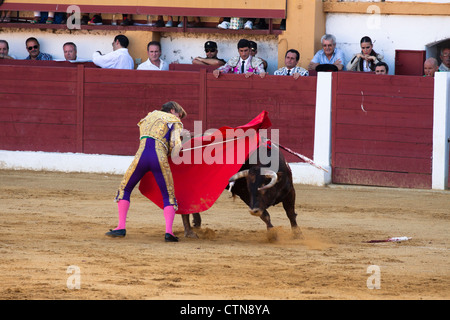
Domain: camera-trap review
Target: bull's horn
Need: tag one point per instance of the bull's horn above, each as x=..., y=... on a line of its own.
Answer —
x=240, y=174
x=269, y=174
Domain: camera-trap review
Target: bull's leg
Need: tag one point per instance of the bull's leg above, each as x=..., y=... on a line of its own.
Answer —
x=266, y=218
x=197, y=219
x=188, y=232
x=289, y=207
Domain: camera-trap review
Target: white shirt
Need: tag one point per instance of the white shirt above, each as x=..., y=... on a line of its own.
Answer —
x=147, y=65
x=119, y=59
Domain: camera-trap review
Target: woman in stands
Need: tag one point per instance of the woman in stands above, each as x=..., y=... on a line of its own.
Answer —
x=367, y=59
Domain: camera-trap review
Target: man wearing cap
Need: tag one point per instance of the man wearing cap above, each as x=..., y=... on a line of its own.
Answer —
x=242, y=64
x=211, y=56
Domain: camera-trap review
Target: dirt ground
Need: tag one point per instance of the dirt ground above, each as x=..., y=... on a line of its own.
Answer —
x=54, y=223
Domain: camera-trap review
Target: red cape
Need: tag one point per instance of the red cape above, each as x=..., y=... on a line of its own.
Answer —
x=201, y=172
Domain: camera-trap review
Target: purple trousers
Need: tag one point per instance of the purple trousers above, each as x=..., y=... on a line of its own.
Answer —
x=150, y=157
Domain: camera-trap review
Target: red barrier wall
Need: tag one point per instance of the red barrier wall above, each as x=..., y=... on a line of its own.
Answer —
x=90, y=110
x=382, y=130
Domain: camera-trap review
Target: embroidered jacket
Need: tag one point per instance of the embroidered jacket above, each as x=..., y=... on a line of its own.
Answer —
x=255, y=65
x=164, y=127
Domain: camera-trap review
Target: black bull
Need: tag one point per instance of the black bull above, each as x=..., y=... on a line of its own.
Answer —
x=259, y=187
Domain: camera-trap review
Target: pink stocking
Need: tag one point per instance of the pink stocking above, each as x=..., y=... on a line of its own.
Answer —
x=169, y=215
x=123, y=206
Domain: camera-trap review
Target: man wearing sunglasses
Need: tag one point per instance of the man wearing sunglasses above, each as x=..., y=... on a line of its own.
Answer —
x=211, y=56
x=32, y=46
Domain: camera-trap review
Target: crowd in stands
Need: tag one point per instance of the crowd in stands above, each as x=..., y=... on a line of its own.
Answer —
x=329, y=58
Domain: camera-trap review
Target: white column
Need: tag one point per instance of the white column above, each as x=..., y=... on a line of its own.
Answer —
x=305, y=173
x=441, y=130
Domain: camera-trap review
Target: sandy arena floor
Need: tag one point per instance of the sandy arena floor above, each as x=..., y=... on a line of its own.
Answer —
x=51, y=221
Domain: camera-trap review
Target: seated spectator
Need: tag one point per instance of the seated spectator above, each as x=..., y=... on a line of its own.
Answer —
x=37, y=17
x=211, y=56
x=242, y=64
x=196, y=23
x=70, y=51
x=251, y=24
x=225, y=24
x=381, y=68
x=5, y=16
x=254, y=51
x=127, y=20
x=329, y=54
x=4, y=50
x=365, y=60
x=33, y=48
x=445, y=58
x=430, y=67
x=154, y=61
x=96, y=20
x=291, y=59
x=119, y=58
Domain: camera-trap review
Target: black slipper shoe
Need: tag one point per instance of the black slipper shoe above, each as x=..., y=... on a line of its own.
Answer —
x=116, y=233
x=170, y=238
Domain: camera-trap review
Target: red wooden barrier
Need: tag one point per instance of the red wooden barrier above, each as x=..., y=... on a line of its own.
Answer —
x=92, y=110
x=382, y=130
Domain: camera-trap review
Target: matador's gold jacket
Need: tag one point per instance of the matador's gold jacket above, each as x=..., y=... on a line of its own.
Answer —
x=157, y=125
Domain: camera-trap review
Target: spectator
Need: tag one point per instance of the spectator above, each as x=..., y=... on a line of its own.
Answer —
x=5, y=16
x=211, y=56
x=254, y=51
x=33, y=48
x=381, y=68
x=250, y=24
x=244, y=63
x=37, y=17
x=445, y=58
x=96, y=20
x=118, y=59
x=225, y=24
x=430, y=66
x=329, y=54
x=367, y=59
x=127, y=20
x=290, y=68
x=4, y=50
x=70, y=51
x=196, y=23
x=154, y=61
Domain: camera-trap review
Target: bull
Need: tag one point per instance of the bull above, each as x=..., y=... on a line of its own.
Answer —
x=260, y=187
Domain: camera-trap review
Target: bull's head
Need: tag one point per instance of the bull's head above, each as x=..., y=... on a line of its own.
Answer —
x=257, y=185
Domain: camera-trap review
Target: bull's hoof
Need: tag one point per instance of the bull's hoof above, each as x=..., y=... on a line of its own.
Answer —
x=272, y=235
x=190, y=234
x=297, y=233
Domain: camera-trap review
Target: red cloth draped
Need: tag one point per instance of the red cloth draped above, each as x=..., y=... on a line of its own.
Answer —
x=205, y=168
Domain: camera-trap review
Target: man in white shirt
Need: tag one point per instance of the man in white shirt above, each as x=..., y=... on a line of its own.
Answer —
x=243, y=64
x=118, y=59
x=154, y=61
